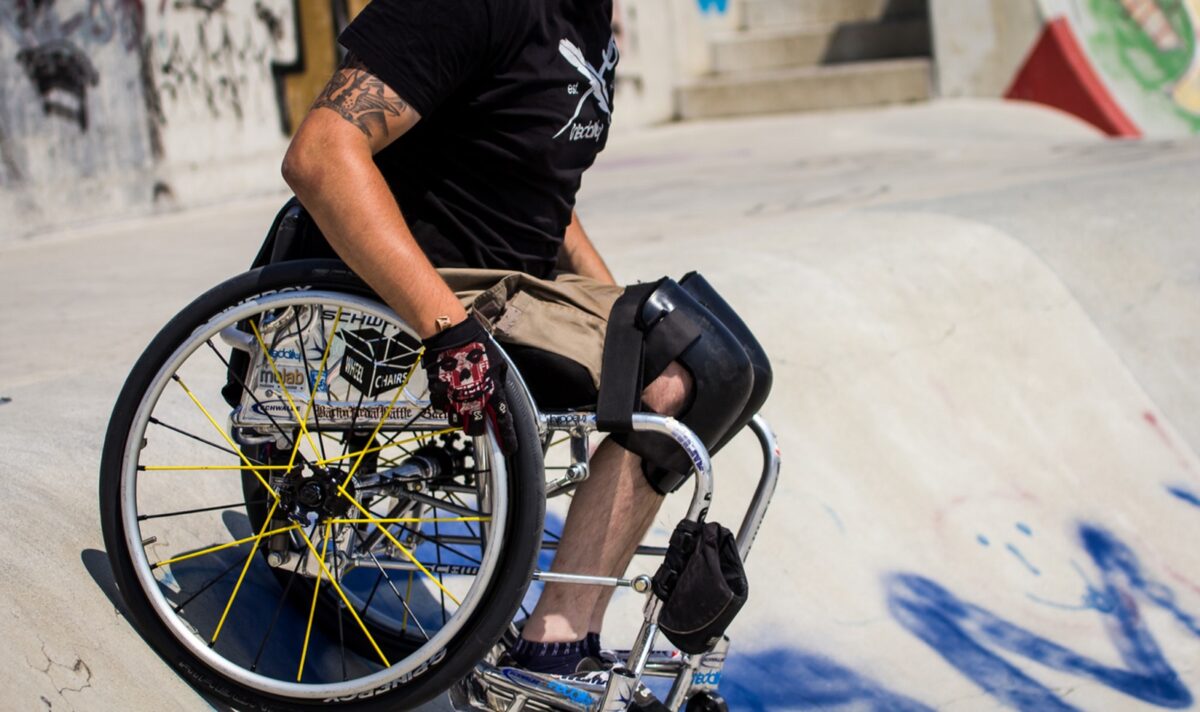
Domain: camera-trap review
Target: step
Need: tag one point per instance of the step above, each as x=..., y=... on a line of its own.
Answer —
x=839, y=86
x=831, y=44
x=768, y=14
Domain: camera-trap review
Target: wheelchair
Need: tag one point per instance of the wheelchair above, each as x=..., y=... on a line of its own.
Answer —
x=291, y=526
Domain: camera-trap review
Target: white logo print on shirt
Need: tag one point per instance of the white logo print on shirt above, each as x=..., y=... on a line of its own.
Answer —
x=597, y=88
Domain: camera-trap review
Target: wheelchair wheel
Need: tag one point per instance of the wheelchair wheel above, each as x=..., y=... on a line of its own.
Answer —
x=291, y=526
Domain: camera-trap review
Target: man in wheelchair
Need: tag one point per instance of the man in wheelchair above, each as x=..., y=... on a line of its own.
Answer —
x=441, y=163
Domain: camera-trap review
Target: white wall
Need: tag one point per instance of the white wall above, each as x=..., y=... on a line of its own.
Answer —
x=979, y=45
x=665, y=43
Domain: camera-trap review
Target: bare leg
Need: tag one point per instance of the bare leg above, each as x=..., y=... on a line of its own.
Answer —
x=608, y=517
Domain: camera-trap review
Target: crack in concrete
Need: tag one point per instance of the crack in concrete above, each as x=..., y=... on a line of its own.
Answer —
x=77, y=672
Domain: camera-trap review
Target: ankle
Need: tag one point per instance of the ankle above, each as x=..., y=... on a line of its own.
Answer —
x=552, y=629
x=561, y=658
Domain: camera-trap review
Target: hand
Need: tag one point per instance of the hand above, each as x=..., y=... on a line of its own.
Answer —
x=466, y=376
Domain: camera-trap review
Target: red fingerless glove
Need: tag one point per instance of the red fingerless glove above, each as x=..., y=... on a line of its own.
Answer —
x=466, y=376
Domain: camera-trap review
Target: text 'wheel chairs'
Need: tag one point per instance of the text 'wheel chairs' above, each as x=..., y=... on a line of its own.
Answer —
x=292, y=527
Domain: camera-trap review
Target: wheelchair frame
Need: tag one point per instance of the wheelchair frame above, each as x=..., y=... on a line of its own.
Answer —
x=215, y=315
x=489, y=688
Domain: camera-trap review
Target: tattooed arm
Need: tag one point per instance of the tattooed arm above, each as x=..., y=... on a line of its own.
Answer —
x=330, y=167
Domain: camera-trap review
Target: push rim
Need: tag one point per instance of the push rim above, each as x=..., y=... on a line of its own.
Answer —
x=180, y=628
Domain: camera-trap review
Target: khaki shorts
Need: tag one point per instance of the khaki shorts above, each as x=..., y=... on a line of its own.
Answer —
x=566, y=315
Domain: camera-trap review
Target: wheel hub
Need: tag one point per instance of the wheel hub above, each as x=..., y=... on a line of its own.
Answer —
x=318, y=494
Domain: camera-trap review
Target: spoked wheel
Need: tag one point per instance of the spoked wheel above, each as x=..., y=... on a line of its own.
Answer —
x=289, y=522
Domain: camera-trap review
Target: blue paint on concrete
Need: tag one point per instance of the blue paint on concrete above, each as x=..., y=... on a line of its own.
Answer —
x=1021, y=557
x=1024, y=529
x=964, y=634
x=983, y=540
x=786, y=678
x=1078, y=607
x=1186, y=495
x=837, y=520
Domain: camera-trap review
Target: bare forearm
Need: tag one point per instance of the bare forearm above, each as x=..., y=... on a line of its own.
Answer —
x=579, y=255
x=330, y=167
x=354, y=208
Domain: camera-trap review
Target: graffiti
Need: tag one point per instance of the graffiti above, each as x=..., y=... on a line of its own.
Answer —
x=965, y=634
x=12, y=170
x=57, y=69
x=719, y=7
x=1153, y=42
x=785, y=678
x=1185, y=495
x=216, y=58
x=50, y=52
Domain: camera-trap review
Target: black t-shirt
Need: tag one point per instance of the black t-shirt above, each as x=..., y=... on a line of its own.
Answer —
x=516, y=100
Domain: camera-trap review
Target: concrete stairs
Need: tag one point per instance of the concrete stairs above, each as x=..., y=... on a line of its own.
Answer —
x=807, y=55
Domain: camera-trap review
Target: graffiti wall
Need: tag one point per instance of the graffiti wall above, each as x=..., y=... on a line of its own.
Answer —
x=111, y=108
x=114, y=107
x=1131, y=67
x=1147, y=51
x=74, y=91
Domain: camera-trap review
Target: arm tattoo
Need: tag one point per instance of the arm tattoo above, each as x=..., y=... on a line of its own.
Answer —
x=361, y=98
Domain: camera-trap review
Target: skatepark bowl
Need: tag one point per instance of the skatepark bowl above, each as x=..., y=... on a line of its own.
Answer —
x=984, y=320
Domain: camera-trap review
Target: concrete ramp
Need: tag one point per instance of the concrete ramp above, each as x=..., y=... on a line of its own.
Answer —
x=990, y=491
x=978, y=494
x=984, y=322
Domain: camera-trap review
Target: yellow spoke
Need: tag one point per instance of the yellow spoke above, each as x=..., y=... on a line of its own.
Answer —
x=313, y=550
x=372, y=519
x=234, y=446
x=222, y=547
x=312, y=611
x=286, y=394
x=411, y=520
x=242, y=577
x=386, y=413
x=184, y=468
x=379, y=448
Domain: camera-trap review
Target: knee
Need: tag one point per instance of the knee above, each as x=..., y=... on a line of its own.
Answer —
x=670, y=393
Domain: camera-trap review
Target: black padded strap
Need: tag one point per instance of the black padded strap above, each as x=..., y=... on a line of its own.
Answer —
x=621, y=364
x=671, y=336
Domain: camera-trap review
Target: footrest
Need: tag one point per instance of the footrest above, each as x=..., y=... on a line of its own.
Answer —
x=507, y=689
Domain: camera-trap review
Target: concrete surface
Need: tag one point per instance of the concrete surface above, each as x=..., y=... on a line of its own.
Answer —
x=983, y=320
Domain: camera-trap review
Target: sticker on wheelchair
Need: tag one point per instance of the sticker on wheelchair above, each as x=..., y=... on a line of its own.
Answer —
x=559, y=688
x=339, y=369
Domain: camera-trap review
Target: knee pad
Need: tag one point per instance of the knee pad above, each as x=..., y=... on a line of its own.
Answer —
x=676, y=326
x=698, y=287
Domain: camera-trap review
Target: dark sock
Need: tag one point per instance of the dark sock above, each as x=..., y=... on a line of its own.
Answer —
x=591, y=645
x=549, y=658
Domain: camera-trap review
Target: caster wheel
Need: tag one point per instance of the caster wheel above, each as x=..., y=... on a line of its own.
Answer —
x=706, y=702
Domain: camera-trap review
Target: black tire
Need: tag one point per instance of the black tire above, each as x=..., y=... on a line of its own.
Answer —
x=478, y=630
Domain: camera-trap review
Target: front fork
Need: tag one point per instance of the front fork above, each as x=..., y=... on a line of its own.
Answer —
x=490, y=688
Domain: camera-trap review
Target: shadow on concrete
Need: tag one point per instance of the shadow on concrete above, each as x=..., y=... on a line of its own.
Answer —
x=96, y=563
x=97, y=566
